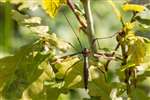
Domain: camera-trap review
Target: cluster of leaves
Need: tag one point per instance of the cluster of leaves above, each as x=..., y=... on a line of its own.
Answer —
x=137, y=46
x=35, y=72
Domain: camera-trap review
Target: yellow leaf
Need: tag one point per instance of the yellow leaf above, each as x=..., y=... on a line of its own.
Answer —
x=137, y=51
x=65, y=65
x=129, y=26
x=133, y=7
x=52, y=6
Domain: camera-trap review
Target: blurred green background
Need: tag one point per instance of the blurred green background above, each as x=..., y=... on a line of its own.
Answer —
x=14, y=35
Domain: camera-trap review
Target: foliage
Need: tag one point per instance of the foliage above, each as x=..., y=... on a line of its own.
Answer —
x=42, y=70
x=52, y=6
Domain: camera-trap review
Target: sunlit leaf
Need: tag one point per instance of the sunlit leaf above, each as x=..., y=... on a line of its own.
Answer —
x=53, y=40
x=137, y=51
x=25, y=19
x=28, y=69
x=64, y=66
x=33, y=23
x=97, y=84
x=147, y=56
x=133, y=7
x=74, y=75
x=33, y=20
x=129, y=26
x=36, y=89
x=40, y=29
x=114, y=95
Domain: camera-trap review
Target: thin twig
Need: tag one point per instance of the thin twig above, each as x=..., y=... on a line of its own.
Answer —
x=72, y=7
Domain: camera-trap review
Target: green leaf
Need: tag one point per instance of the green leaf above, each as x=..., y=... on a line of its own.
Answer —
x=97, y=84
x=36, y=90
x=144, y=17
x=33, y=23
x=143, y=76
x=52, y=93
x=73, y=78
x=79, y=94
x=147, y=56
x=64, y=66
x=121, y=87
x=53, y=40
x=18, y=16
x=8, y=66
x=143, y=21
x=138, y=94
x=28, y=69
x=53, y=90
x=145, y=14
x=39, y=29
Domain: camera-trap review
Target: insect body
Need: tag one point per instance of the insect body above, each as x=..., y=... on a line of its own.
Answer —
x=86, y=53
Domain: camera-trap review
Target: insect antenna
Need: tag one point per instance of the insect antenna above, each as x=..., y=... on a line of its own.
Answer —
x=73, y=31
x=101, y=38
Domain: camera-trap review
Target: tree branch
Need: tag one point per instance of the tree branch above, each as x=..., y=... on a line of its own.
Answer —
x=90, y=24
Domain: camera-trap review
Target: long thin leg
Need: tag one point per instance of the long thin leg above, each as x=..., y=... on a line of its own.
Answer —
x=103, y=73
x=70, y=55
x=71, y=45
x=107, y=63
x=99, y=47
x=85, y=72
x=73, y=31
x=111, y=36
